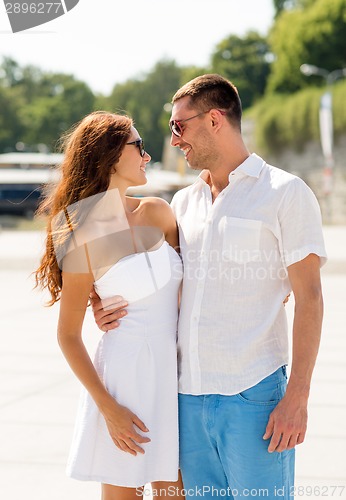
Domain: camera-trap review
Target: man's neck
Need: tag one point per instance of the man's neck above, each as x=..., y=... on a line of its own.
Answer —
x=218, y=178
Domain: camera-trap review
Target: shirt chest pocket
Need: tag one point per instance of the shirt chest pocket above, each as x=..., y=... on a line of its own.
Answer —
x=241, y=240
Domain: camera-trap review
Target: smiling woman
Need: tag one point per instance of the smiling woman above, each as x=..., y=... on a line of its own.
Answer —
x=126, y=432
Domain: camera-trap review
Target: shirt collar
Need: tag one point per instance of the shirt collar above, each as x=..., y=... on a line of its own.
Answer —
x=252, y=167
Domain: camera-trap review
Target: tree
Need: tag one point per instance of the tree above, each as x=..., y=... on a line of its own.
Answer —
x=244, y=61
x=10, y=72
x=61, y=102
x=36, y=107
x=144, y=99
x=10, y=126
x=314, y=33
x=283, y=5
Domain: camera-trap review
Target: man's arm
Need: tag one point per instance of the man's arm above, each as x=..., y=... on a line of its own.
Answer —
x=287, y=423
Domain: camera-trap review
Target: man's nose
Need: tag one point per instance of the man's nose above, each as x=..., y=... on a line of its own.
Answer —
x=174, y=140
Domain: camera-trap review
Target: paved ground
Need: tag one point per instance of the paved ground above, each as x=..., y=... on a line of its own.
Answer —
x=38, y=395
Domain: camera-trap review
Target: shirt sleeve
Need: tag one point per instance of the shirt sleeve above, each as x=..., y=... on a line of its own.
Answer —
x=177, y=204
x=174, y=205
x=301, y=224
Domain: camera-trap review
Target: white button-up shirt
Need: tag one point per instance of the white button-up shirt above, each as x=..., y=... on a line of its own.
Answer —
x=232, y=326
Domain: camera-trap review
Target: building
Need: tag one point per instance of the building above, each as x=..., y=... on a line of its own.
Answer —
x=23, y=176
x=29, y=160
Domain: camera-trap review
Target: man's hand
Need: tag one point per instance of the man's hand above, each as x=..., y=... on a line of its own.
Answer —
x=108, y=311
x=287, y=423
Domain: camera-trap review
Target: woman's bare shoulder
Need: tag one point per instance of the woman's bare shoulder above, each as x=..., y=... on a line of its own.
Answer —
x=152, y=202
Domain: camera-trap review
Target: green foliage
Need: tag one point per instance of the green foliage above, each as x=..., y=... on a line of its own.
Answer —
x=36, y=106
x=339, y=108
x=315, y=34
x=63, y=101
x=281, y=6
x=284, y=5
x=10, y=72
x=39, y=106
x=190, y=72
x=284, y=122
x=144, y=101
x=10, y=126
x=244, y=61
x=306, y=31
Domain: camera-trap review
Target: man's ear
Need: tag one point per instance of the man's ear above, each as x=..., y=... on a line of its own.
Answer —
x=216, y=119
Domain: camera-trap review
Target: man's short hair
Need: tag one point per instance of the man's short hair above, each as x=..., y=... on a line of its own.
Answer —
x=213, y=91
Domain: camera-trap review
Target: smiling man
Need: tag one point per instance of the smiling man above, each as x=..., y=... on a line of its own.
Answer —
x=249, y=234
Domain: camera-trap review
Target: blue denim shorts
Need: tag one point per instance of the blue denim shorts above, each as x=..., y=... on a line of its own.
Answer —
x=222, y=451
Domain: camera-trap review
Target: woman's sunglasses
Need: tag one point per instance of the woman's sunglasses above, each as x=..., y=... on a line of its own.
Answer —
x=139, y=144
x=175, y=125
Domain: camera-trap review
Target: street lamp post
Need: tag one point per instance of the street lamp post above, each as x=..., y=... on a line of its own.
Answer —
x=326, y=120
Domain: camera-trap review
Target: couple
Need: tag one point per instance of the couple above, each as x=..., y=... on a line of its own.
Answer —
x=249, y=233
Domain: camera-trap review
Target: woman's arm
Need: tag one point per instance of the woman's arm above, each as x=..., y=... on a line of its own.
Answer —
x=120, y=420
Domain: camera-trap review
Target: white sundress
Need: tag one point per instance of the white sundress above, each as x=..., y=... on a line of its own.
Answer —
x=138, y=364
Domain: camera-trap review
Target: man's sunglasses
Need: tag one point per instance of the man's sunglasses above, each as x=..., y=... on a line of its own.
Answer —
x=175, y=125
x=139, y=144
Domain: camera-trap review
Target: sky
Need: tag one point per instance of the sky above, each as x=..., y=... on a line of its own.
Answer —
x=104, y=42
